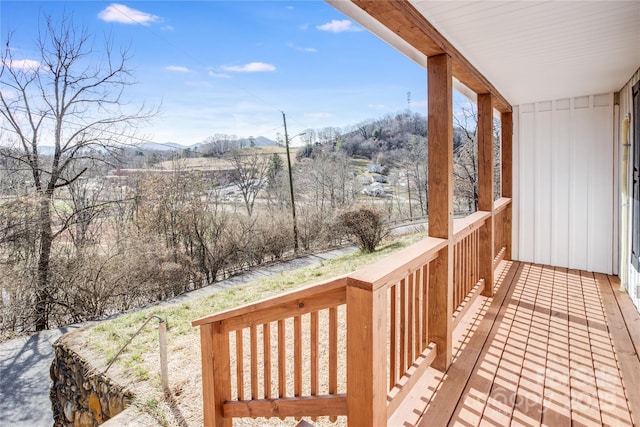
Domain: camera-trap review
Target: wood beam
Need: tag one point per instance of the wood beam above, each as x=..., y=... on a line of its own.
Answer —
x=485, y=188
x=401, y=17
x=506, y=122
x=440, y=207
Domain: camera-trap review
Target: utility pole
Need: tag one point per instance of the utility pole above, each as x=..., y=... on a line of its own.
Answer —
x=293, y=203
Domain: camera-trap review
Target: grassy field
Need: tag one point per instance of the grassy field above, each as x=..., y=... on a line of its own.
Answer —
x=137, y=367
x=215, y=163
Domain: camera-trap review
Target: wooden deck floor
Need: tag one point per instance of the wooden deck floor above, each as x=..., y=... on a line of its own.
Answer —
x=553, y=347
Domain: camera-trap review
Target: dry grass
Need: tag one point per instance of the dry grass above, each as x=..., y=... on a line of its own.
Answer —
x=137, y=368
x=214, y=163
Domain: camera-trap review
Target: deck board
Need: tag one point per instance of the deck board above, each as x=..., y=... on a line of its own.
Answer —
x=553, y=347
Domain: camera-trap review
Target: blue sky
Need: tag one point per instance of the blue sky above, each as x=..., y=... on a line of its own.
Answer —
x=231, y=67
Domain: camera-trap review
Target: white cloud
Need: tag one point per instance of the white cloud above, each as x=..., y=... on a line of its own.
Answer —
x=339, y=26
x=122, y=14
x=166, y=28
x=219, y=75
x=23, y=64
x=377, y=106
x=303, y=27
x=252, y=67
x=177, y=68
x=303, y=49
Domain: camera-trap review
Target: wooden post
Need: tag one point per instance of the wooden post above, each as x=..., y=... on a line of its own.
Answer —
x=485, y=188
x=366, y=356
x=440, y=207
x=164, y=370
x=506, y=121
x=215, y=374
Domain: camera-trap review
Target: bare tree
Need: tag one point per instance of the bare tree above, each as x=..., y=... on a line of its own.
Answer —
x=251, y=175
x=417, y=166
x=68, y=97
x=465, y=169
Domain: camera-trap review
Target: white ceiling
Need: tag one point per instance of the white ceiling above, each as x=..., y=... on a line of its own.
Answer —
x=537, y=50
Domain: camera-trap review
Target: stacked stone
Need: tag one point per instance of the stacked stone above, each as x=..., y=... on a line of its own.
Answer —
x=80, y=396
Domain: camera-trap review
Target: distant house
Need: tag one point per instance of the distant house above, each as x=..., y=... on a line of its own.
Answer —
x=375, y=190
x=380, y=178
x=375, y=168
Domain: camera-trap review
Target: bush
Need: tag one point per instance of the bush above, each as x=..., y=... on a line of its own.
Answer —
x=366, y=226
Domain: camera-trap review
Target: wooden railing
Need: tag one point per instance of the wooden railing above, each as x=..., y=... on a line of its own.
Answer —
x=288, y=356
x=467, y=283
x=388, y=332
x=502, y=230
x=246, y=356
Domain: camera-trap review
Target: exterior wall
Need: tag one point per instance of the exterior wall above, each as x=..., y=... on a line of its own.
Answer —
x=632, y=276
x=564, y=210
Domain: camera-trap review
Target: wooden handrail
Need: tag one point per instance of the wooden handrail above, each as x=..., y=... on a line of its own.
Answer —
x=500, y=204
x=283, y=300
x=462, y=227
x=395, y=267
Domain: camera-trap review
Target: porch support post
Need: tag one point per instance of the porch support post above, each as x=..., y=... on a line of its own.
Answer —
x=215, y=374
x=366, y=355
x=485, y=188
x=506, y=121
x=440, y=208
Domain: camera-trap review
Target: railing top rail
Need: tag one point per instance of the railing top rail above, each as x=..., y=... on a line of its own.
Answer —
x=462, y=227
x=500, y=204
x=396, y=266
x=271, y=302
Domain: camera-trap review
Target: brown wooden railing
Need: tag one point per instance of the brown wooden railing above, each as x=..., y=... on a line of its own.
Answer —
x=467, y=283
x=287, y=356
x=502, y=230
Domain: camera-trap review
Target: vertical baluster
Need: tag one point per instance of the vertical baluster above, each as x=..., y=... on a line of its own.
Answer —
x=266, y=333
x=457, y=273
x=393, y=336
x=282, y=359
x=467, y=268
x=472, y=261
x=239, y=365
x=403, y=327
x=410, y=355
x=297, y=356
x=416, y=313
x=477, y=257
x=254, y=361
x=333, y=353
x=425, y=306
x=313, y=326
x=314, y=353
x=460, y=262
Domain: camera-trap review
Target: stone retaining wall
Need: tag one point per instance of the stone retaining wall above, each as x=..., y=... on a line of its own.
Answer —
x=81, y=396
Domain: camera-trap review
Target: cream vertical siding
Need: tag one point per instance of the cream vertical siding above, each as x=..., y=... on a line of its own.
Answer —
x=564, y=176
x=626, y=107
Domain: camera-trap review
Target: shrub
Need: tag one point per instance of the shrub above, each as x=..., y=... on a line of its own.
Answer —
x=366, y=226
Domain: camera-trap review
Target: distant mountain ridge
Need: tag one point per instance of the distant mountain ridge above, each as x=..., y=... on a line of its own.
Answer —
x=260, y=141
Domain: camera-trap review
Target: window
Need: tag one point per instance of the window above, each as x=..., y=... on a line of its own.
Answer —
x=635, y=202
